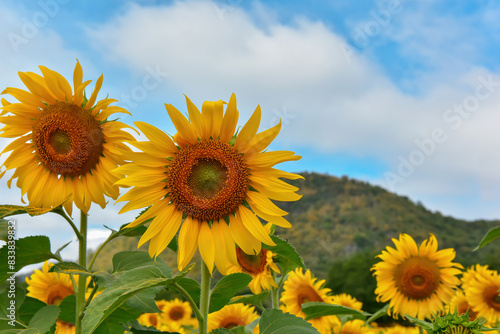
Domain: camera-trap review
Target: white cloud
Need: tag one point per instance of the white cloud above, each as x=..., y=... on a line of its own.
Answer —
x=336, y=106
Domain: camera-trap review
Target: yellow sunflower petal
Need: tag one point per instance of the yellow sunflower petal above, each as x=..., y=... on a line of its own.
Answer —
x=229, y=121
x=188, y=242
x=249, y=130
x=206, y=244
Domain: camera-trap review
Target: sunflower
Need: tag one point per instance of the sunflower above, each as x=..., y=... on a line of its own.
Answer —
x=258, y=266
x=347, y=300
x=51, y=288
x=461, y=305
x=178, y=311
x=231, y=316
x=484, y=297
x=151, y=319
x=64, y=327
x=212, y=182
x=398, y=329
x=472, y=272
x=299, y=288
x=416, y=280
x=353, y=327
x=64, y=143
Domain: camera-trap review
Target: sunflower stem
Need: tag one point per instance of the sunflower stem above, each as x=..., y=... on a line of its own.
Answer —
x=191, y=301
x=204, y=297
x=275, y=297
x=63, y=214
x=82, y=282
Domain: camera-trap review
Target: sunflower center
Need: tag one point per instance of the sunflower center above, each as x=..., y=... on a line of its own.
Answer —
x=252, y=264
x=492, y=297
x=464, y=308
x=306, y=294
x=417, y=278
x=68, y=140
x=56, y=295
x=232, y=322
x=176, y=313
x=208, y=180
x=153, y=319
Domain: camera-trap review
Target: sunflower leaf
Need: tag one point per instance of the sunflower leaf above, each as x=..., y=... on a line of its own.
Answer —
x=44, y=319
x=4, y=230
x=12, y=210
x=378, y=314
x=226, y=288
x=192, y=287
x=492, y=234
x=23, y=252
x=421, y=323
x=251, y=299
x=318, y=309
x=10, y=306
x=273, y=321
x=127, y=260
x=136, y=328
x=68, y=309
x=144, y=301
x=128, y=284
x=286, y=255
x=69, y=268
x=113, y=323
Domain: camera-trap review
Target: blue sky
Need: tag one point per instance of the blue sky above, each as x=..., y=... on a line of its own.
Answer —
x=402, y=94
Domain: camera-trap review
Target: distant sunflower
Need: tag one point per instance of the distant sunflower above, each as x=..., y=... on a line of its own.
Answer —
x=65, y=142
x=483, y=296
x=469, y=275
x=64, y=327
x=398, y=329
x=213, y=182
x=461, y=305
x=353, y=327
x=231, y=316
x=177, y=311
x=416, y=280
x=347, y=300
x=259, y=267
x=151, y=319
x=300, y=288
x=51, y=288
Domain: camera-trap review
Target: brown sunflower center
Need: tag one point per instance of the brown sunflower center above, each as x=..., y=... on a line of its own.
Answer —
x=208, y=180
x=68, y=140
x=463, y=308
x=153, y=319
x=252, y=264
x=417, y=278
x=492, y=297
x=306, y=294
x=232, y=322
x=176, y=313
x=57, y=294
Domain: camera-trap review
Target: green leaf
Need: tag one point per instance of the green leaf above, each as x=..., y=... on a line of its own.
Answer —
x=29, y=308
x=286, y=255
x=251, y=299
x=226, y=288
x=28, y=250
x=135, y=231
x=378, y=314
x=11, y=210
x=318, y=309
x=144, y=301
x=192, y=287
x=124, y=261
x=70, y=268
x=124, y=287
x=113, y=323
x=492, y=234
x=9, y=306
x=44, y=319
x=136, y=328
x=4, y=230
x=273, y=321
x=68, y=309
x=221, y=331
x=59, y=250
x=421, y=323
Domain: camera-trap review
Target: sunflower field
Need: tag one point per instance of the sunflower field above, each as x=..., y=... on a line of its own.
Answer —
x=207, y=194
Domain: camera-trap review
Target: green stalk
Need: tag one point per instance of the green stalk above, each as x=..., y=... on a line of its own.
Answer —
x=204, y=297
x=275, y=297
x=82, y=282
